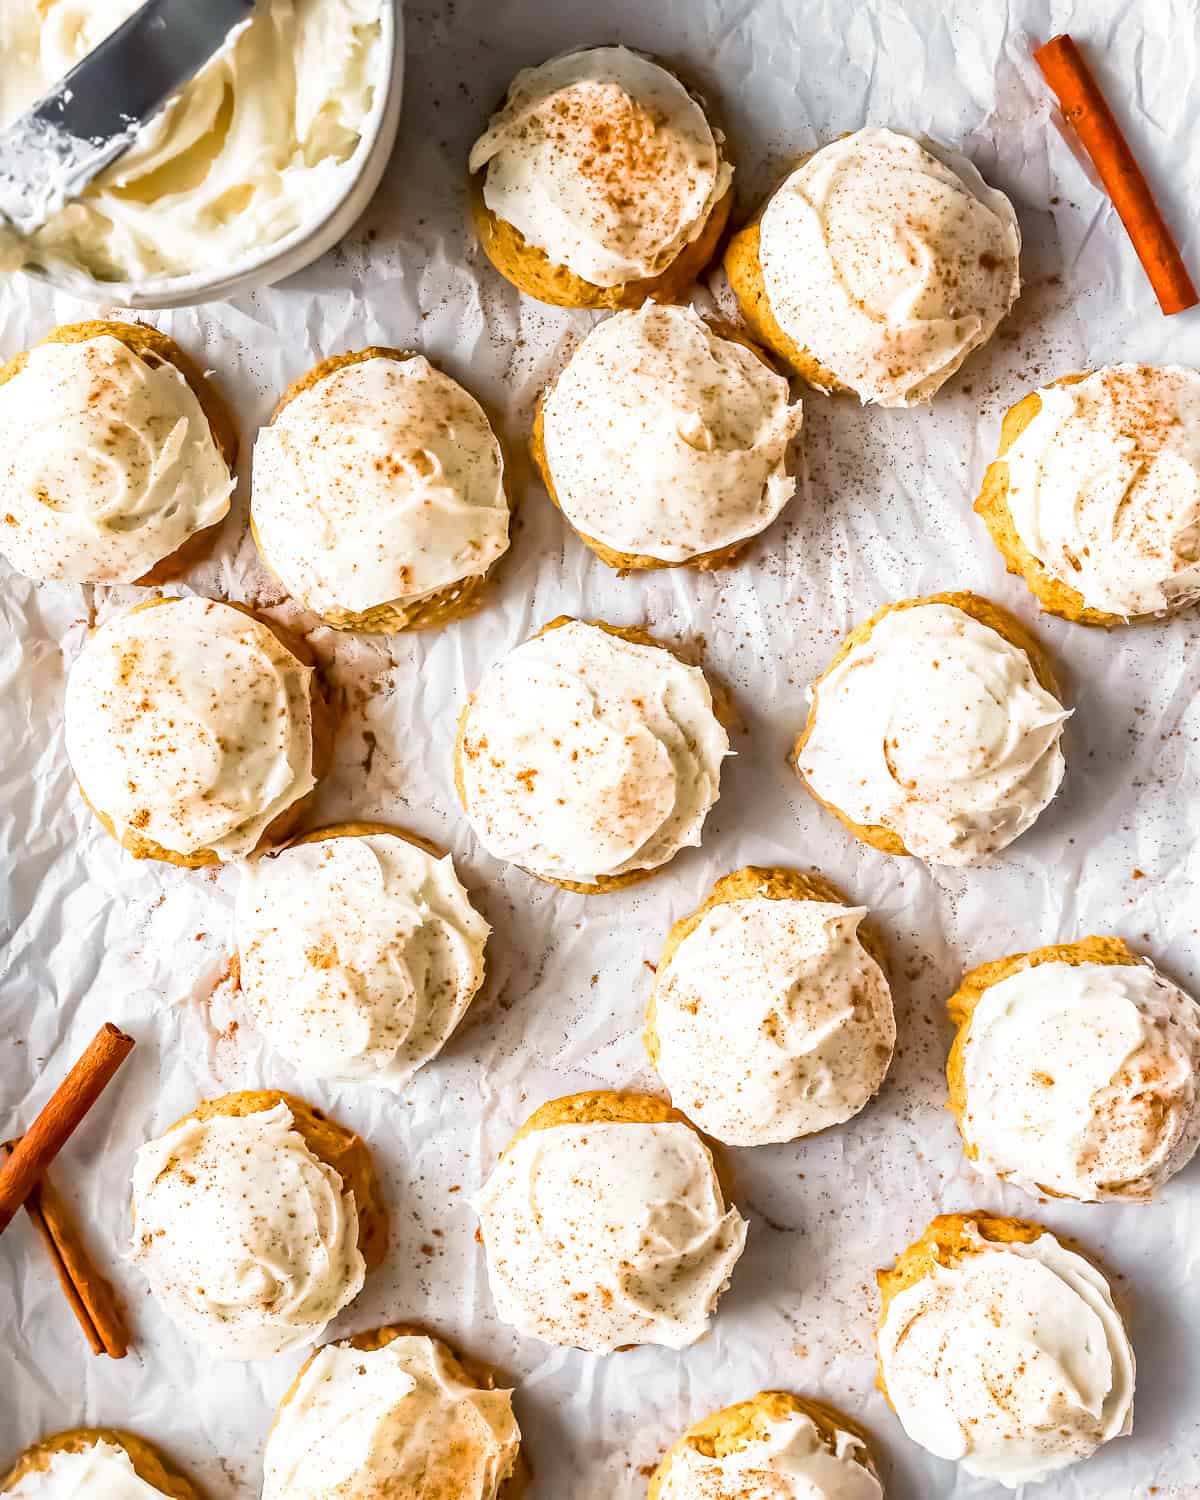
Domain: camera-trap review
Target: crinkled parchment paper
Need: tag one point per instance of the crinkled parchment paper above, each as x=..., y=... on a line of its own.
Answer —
x=884, y=511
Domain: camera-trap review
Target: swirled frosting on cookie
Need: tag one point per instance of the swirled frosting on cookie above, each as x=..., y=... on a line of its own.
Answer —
x=396, y=1421
x=603, y=160
x=665, y=439
x=1013, y=1360
x=248, y=1240
x=937, y=728
x=788, y=1460
x=101, y=1472
x=772, y=1020
x=190, y=724
x=603, y=1235
x=382, y=483
x=1104, y=487
x=888, y=263
x=107, y=464
x=584, y=755
x=358, y=954
x=1083, y=1079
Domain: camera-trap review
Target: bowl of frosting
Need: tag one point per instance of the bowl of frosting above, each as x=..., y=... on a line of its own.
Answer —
x=260, y=164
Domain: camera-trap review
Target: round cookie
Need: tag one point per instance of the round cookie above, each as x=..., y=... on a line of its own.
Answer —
x=1000, y=1345
x=755, y=882
x=336, y=1145
x=719, y=557
x=738, y=1427
x=983, y=610
x=155, y=348
x=637, y=636
x=360, y=962
x=1129, y=426
x=460, y=1367
x=631, y=1286
x=455, y=601
x=531, y=270
x=278, y=830
x=1146, y=1097
x=894, y=259
x=148, y=1463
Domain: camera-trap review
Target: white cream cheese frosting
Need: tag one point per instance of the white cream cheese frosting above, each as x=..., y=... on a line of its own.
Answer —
x=191, y=725
x=101, y=1472
x=248, y=1240
x=107, y=464
x=790, y=1461
x=395, y=1421
x=260, y=143
x=888, y=263
x=603, y=160
x=1083, y=1079
x=666, y=440
x=937, y=728
x=1104, y=487
x=380, y=484
x=359, y=955
x=773, y=1021
x=1014, y=1361
x=585, y=755
x=603, y=1235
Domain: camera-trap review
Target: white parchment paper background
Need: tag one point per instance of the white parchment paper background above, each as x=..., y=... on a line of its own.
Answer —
x=884, y=512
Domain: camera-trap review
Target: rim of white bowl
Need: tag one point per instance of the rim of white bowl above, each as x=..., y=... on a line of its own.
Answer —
x=305, y=243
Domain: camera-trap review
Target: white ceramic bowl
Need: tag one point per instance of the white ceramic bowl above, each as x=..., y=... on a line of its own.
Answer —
x=304, y=244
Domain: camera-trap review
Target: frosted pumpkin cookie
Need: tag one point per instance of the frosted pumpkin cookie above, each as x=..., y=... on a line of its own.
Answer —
x=255, y=1221
x=775, y=1446
x=605, y=1225
x=589, y=756
x=101, y=1463
x=1094, y=497
x=391, y=1412
x=771, y=1015
x=1076, y=1071
x=600, y=182
x=878, y=266
x=665, y=442
x=116, y=456
x=1002, y=1348
x=935, y=731
x=378, y=498
x=196, y=731
x=358, y=952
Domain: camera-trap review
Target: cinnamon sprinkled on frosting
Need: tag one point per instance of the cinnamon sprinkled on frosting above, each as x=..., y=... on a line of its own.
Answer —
x=107, y=464
x=603, y=160
x=248, y=1240
x=1083, y=1079
x=1012, y=1360
x=1104, y=487
x=889, y=263
x=586, y=755
x=608, y=1234
x=393, y=1423
x=666, y=440
x=936, y=727
x=190, y=724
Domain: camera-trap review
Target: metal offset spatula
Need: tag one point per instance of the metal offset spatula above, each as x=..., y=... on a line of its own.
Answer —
x=94, y=114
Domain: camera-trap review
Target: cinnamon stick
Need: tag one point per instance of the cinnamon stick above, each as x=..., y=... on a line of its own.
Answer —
x=88, y=1294
x=63, y=1112
x=1087, y=110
